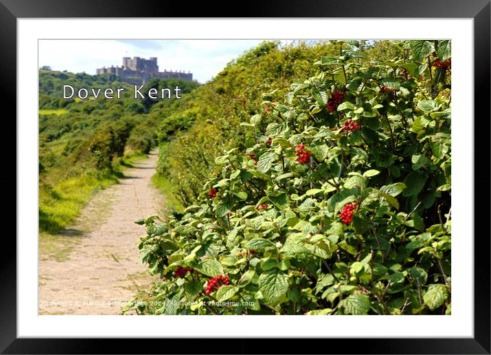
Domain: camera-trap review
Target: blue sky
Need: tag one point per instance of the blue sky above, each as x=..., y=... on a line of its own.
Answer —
x=204, y=58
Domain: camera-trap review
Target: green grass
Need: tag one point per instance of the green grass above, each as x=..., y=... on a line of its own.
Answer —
x=53, y=112
x=165, y=188
x=60, y=205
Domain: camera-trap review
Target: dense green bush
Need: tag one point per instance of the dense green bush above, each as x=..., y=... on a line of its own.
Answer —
x=338, y=201
x=207, y=123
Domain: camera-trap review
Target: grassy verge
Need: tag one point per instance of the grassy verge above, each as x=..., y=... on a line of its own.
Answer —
x=165, y=188
x=60, y=205
x=53, y=112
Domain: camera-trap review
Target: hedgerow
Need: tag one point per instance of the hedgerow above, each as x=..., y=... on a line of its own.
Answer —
x=338, y=203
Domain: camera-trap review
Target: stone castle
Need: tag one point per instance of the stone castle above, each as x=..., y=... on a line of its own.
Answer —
x=140, y=71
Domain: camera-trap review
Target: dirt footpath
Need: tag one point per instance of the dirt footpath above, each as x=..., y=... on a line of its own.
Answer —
x=101, y=270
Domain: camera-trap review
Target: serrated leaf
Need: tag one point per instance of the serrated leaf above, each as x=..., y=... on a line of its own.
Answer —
x=259, y=244
x=421, y=49
x=356, y=304
x=226, y=292
x=393, y=189
x=320, y=151
x=192, y=288
x=427, y=105
x=222, y=209
x=444, y=50
x=273, y=285
x=265, y=162
x=246, y=278
x=210, y=268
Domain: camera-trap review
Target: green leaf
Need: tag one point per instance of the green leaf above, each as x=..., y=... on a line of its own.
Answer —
x=256, y=119
x=320, y=312
x=427, y=105
x=415, y=182
x=346, y=106
x=370, y=173
x=273, y=284
x=313, y=192
x=419, y=161
x=390, y=83
x=393, y=189
x=320, y=151
x=356, y=304
x=210, y=268
x=226, y=292
x=192, y=288
x=222, y=209
x=265, y=162
x=320, y=97
x=392, y=200
x=444, y=50
x=259, y=244
x=246, y=278
x=241, y=194
x=419, y=274
x=356, y=268
x=435, y=296
x=274, y=128
x=421, y=49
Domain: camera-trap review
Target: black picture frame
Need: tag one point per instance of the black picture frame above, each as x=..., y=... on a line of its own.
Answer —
x=478, y=10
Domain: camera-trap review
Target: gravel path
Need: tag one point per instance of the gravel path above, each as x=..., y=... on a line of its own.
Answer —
x=102, y=271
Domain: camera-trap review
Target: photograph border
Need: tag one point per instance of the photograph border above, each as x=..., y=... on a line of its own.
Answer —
x=479, y=10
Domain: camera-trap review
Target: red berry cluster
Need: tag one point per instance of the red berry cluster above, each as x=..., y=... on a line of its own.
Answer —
x=261, y=207
x=335, y=100
x=441, y=65
x=253, y=157
x=266, y=111
x=347, y=212
x=213, y=193
x=349, y=125
x=269, y=141
x=303, y=155
x=182, y=271
x=215, y=283
x=386, y=90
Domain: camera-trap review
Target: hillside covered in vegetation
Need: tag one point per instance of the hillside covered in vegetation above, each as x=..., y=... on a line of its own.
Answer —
x=315, y=179
x=83, y=144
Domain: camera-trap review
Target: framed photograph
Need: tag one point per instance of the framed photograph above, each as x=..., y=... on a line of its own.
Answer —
x=188, y=182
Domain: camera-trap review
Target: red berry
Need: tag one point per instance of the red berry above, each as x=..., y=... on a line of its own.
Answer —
x=349, y=125
x=215, y=283
x=303, y=155
x=212, y=193
x=335, y=100
x=347, y=213
x=441, y=65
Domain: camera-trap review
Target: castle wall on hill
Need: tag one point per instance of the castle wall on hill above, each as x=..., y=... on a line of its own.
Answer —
x=139, y=71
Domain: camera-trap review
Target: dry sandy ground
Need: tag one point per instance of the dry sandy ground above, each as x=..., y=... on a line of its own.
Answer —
x=102, y=271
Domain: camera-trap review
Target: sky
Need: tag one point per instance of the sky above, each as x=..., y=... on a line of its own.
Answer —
x=204, y=58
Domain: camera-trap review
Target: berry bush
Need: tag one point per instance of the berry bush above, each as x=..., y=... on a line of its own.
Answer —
x=338, y=203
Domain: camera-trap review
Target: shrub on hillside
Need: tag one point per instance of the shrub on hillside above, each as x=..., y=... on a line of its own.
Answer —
x=338, y=203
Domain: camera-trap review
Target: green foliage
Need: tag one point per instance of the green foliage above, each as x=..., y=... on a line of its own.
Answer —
x=269, y=215
x=84, y=143
x=207, y=123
